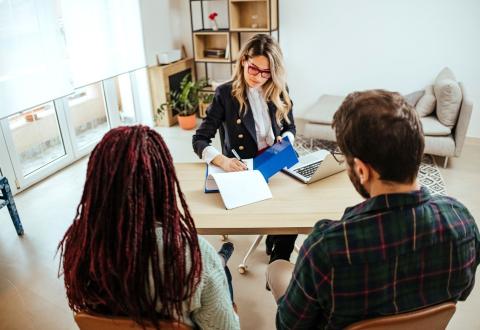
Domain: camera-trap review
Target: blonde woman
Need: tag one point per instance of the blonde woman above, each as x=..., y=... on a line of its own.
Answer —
x=251, y=112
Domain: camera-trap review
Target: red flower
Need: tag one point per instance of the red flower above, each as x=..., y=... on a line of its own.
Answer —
x=212, y=15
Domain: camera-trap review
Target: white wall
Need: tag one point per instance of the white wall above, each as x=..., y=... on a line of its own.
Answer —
x=339, y=46
x=158, y=35
x=166, y=26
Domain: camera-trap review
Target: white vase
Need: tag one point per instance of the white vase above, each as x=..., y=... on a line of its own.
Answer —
x=214, y=25
x=254, y=21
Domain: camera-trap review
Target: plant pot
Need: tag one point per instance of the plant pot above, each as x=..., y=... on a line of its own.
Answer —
x=202, y=109
x=187, y=122
x=30, y=117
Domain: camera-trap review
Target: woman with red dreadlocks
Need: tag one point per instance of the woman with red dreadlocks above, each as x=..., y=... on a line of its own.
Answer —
x=133, y=249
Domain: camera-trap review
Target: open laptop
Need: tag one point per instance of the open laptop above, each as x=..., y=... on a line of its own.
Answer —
x=315, y=166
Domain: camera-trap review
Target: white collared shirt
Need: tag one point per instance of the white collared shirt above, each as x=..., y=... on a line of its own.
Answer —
x=263, y=125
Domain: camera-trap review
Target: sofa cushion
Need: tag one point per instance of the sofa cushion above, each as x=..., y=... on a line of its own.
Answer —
x=449, y=97
x=439, y=145
x=323, y=110
x=433, y=127
x=426, y=104
x=319, y=131
x=413, y=98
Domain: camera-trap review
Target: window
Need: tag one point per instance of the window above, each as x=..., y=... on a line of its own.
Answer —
x=88, y=114
x=33, y=59
x=126, y=106
x=36, y=136
x=67, y=51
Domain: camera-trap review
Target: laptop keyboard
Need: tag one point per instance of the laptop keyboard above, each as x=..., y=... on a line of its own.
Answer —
x=308, y=170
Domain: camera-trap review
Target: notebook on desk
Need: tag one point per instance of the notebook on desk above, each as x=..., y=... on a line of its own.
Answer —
x=237, y=188
x=250, y=186
x=315, y=166
x=210, y=184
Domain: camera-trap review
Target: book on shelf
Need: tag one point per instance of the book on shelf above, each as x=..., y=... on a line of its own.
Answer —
x=214, y=52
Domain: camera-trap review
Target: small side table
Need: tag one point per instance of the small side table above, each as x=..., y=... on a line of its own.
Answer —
x=6, y=199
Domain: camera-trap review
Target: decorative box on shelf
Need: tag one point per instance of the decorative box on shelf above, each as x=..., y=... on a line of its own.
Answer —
x=169, y=56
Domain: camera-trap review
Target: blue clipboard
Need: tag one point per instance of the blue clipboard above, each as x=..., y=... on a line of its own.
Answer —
x=275, y=158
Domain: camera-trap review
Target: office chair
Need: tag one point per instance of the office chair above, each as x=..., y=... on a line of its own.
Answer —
x=432, y=318
x=242, y=268
x=87, y=321
x=6, y=199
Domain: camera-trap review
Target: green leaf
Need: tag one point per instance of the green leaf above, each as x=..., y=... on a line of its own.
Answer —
x=186, y=100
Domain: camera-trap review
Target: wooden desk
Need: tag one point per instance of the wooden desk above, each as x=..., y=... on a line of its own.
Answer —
x=294, y=208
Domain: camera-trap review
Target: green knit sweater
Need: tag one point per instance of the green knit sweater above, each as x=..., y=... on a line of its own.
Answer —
x=211, y=306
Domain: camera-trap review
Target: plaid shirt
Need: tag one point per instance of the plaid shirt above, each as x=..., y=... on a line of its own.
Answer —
x=390, y=254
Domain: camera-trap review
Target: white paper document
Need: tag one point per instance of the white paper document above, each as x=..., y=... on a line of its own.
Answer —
x=241, y=188
x=237, y=188
x=210, y=185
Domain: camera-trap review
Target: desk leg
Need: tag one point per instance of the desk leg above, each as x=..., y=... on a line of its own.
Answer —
x=242, y=268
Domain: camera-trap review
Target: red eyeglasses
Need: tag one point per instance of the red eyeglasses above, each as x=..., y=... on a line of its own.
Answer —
x=254, y=70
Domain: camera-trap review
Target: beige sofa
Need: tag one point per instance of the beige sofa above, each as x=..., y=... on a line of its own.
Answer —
x=440, y=140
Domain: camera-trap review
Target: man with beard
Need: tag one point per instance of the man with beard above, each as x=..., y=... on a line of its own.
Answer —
x=400, y=250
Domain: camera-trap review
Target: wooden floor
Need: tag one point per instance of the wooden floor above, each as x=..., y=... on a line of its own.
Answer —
x=32, y=297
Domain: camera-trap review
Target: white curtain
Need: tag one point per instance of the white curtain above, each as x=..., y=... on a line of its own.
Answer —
x=104, y=38
x=49, y=47
x=33, y=63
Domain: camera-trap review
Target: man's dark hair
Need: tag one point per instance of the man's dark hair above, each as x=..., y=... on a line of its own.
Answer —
x=381, y=129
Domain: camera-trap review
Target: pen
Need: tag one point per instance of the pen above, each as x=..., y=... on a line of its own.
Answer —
x=234, y=152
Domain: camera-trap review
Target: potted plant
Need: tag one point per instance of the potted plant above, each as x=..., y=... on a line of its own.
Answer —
x=184, y=101
x=205, y=100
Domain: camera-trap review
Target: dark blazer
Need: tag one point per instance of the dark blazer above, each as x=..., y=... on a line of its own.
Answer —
x=236, y=131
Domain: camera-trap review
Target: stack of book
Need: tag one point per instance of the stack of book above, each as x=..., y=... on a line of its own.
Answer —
x=214, y=52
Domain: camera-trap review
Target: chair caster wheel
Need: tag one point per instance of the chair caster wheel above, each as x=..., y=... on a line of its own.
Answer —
x=242, y=269
x=224, y=237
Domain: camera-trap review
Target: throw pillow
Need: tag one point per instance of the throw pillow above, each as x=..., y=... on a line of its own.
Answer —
x=449, y=97
x=426, y=105
x=413, y=98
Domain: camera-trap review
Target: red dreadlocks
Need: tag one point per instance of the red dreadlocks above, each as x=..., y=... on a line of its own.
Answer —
x=110, y=252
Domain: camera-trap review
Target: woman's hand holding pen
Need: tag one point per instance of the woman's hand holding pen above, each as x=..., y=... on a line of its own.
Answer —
x=229, y=164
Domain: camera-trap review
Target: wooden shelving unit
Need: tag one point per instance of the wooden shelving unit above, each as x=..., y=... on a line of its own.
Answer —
x=208, y=39
x=244, y=16
x=253, y=15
